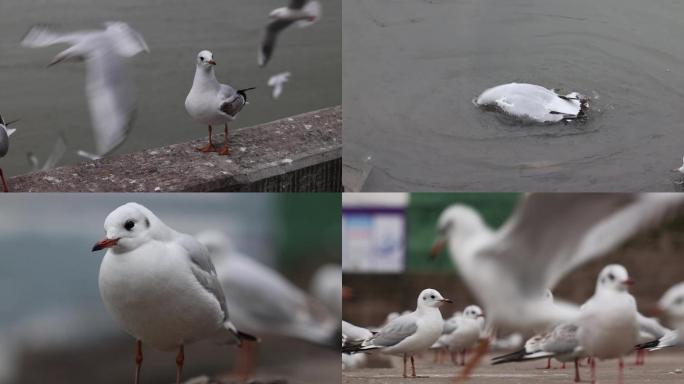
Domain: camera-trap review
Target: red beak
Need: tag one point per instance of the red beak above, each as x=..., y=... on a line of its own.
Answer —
x=446, y=301
x=105, y=243
x=629, y=281
x=212, y=62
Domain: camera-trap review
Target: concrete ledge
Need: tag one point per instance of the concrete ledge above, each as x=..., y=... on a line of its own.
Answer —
x=302, y=153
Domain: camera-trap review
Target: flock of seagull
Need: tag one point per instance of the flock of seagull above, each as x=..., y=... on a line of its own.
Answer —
x=111, y=93
x=511, y=272
x=163, y=288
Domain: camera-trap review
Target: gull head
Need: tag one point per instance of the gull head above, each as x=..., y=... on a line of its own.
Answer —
x=680, y=169
x=218, y=243
x=127, y=228
x=459, y=223
x=672, y=303
x=431, y=298
x=614, y=277
x=473, y=312
x=205, y=59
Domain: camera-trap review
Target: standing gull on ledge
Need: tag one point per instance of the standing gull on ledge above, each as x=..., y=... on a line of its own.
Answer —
x=408, y=334
x=160, y=285
x=109, y=89
x=302, y=13
x=4, y=148
x=211, y=102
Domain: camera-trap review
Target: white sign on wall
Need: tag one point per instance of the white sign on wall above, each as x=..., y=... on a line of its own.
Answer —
x=374, y=240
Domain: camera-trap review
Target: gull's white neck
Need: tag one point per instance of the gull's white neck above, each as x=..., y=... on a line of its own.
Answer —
x=205, y=78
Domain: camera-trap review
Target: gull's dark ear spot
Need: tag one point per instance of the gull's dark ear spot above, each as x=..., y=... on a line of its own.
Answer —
x=147, y=222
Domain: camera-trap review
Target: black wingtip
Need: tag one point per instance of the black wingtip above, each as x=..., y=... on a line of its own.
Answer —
x=513, y=356
x=650, y=344
x=246, y=336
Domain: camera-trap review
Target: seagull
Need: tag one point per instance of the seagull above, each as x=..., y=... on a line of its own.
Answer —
x=276, y=306
x=649, y=329
x=680, y=169
x=547, y=236
x=608, y=325
x=408, y=334
x=161, y=286
x=672, y=305
x=351, y=332
x=326, y=287
x=466, y=333
x=302, y=13
x=534, y=103
x=561, y=343
x=277, y=81
x=58, y=150
x=211, y=102
x=109, y=89
x=5, y=133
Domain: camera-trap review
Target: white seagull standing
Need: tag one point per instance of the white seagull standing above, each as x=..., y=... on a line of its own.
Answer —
x=608, y=325
x=109, y=89
x=408, y=334
x=160, y=285
x=276, y=306
x=672, y=305
x=548, y=235
x=302, y=13
x=466, y=333
x=5, y=133
x=211, y=102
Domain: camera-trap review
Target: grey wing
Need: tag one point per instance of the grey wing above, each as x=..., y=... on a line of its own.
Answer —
x=297, y=4
x=550, y=234
x=232, y=103
x=203, y=269
x=395, y=331
x=126, y=40
x=563, y=339
x=271, y=33
x=651, y=326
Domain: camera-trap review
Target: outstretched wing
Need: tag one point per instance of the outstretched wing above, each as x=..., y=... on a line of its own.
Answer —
x=43, y=36
x=126, y=41
x=268, y=43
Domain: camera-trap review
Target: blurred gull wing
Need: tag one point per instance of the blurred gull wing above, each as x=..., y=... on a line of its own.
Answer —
x=268, y=43
x=127, y=41
x=58, y=151
x=354, y=332
x=43, y=36
x=297, y=4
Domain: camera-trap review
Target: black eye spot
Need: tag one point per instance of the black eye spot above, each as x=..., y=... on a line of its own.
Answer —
x=201, y=58
x=129, y=225
x=432, y=296
x=611, y=277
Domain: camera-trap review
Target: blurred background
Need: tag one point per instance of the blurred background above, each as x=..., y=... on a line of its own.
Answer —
x=387, y=238
x=51, y=100
x=54, y=327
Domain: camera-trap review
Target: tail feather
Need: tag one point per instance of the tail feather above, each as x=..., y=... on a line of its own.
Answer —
x=243, y=92
x=513, y=356
x=648, y=345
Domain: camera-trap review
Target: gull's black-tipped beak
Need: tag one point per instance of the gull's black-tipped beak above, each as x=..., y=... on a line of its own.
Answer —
x=437, y=248
x=446, y=301
x=103, y=244
x=212, y=62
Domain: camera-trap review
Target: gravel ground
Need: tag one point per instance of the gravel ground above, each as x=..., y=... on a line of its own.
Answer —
x=661, y=367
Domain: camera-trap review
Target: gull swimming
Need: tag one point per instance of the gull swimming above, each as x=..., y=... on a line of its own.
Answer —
x=533, y=103
x=211, y=102
x=509, y=270
x=109, y=89
x=5, y=133
x=276, y=306
x=302, y=13
x=408, y=334
x=161, y=286
x=277, y=81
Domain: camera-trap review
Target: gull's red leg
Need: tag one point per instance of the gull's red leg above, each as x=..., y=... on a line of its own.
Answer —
x=209, y=147
x=413, y=367
x=4, y=183
x=138, y=360
x=479, y=353
x=577, y=375
x=404, y=365
x=180, y=358
x=224, y=151
x=592, y=364
x=621, y=368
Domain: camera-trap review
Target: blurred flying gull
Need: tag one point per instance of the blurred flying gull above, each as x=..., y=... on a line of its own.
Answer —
x=161, y=286
x=277, y=81
x=109, y=89
x=58, y=150
x=408, y=334
x=547, y=236
x=302, y=13
x=211, y=102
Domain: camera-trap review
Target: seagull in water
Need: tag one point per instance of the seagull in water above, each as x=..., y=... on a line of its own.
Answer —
x=408, y=334
x=109, y=89
x=5, y=133
x=302, y=13
x=160, y=285
x=510, y=269
x=211, y=102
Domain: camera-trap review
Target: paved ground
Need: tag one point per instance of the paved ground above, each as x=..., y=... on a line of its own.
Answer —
x=661, y=367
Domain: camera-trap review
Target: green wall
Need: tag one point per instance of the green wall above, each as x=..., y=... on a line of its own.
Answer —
x=424, y=210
